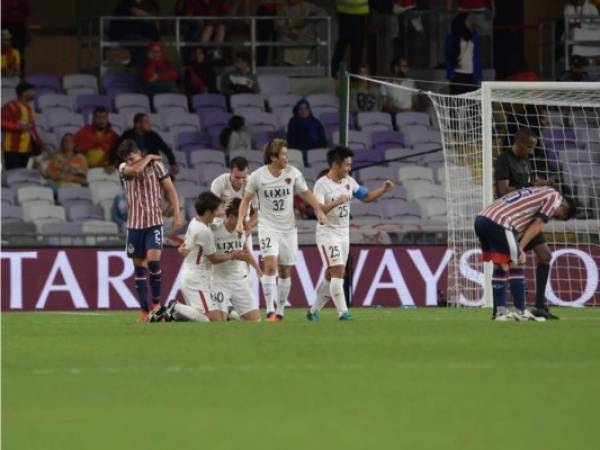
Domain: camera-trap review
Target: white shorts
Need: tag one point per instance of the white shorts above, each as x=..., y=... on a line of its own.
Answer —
x=197, y=293
x=284, y=245
x=334, y=251
x=239, y=294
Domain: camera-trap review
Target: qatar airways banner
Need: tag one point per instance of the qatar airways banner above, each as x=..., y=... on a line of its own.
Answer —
x=102, y=279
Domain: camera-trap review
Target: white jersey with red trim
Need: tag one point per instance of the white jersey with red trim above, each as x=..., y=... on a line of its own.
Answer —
x=338, y=219
x=227, y=242
x=516, y=211
x=200, y=239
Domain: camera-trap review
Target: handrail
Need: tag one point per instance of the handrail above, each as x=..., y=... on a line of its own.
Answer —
x=179, y=42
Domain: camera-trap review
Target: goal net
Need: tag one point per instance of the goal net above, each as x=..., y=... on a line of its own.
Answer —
x=475, y=128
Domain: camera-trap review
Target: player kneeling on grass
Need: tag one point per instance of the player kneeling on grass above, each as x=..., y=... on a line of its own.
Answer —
x=200, y=254
x=519, y=214
x=334, y=192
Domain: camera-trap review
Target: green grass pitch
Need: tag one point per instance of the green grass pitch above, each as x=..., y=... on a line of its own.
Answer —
x=391, y=379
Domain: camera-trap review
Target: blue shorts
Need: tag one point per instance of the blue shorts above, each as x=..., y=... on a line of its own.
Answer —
x=498, y=244
x=141, y=240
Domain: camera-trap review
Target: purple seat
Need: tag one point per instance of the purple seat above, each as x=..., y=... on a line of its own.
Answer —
x=120, y=80
x=203, y=158
x=412, y=118
x=87, y=103
x=330, y=119
x=247, y=100
x=215, y=136
x=20, y=177
x=398, y=208
x=260, y=139
x=365, y=211
x=214, y=119
x=213, y=102
x=556, y=140
x=84, y=211
x=363, y=157
x=187, y=189
x=187, y=174
x=210, y=172
x=9, y=194
x=377, y=173
x=12, y=213
x=71, y=194
x=193, y=139
x=399, y=191
x=382, y=140
x=62, y=228
x=414, y=134
x=44, y=82
x=273, y=84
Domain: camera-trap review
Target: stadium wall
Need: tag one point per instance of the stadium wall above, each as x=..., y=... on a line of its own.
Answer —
x=44, y=279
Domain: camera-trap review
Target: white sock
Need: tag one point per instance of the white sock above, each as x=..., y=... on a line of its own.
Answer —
x=186, y=313
x=323, y=296
x=283, y=287
x=269, y=285
x=337, y=294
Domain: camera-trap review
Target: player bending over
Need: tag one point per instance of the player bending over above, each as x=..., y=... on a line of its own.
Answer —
x=505, y=228
x=275, y=184
x=334, y=192
x=142, y=178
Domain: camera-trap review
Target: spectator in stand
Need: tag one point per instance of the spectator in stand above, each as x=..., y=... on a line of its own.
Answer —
x=158, y=76
x=199, y=76
x=211, y=30
x=11, y=58
x=364, y=96
x=66, y=167
x=463, y=55
x=576, y=72
x=97, y=142
x=20, y=139
x=234, y=136
x=583, y=30
x=14, y=19
x=398, y=100
x=352, y=30
x=240, y=80
x=293, y=29
x=304, y=131
x=265, y=29
x=147, y=140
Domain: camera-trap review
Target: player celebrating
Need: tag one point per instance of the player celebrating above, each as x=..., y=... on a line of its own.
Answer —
x=275, y=184
x=523, y=213
x=142, y=178
x=334, y=192
x=231, y=185
x=230, y=280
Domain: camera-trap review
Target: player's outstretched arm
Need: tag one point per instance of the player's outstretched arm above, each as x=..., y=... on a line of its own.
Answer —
x=313, y=201
x=173, y=198
x=243, y=211
x=133, y=170
x=373, y=195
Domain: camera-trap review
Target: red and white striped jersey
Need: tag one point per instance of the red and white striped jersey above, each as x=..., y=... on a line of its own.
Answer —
x=515, y=211
x=144, y=196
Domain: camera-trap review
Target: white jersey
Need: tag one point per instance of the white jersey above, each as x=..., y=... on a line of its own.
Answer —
x=338, y=219
x=200, y=240
x=222, y=188
x=227, y=242
x=276, y=197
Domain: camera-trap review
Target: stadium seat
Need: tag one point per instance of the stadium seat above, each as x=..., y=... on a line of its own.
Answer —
x=130, y=102
x=296, y=158
x=283, y=116
x=47, y=213
x=120, y=80
x=356, y=139
x=260, y=122
x=104, y=190
x=202, y=158
x=54, y=102
x=412, y=118
x=87, y=103
x=433, y=209
x=99, y=174
x=320, y=110
x=62, y=119
x=21, y=177
x=187, y=174
x=180, y=158
x=401, y=210
x=80, y=80
x=250, y=155
x=273, y=84
x=173, y=101
x=260, y=139
x=73, y=195
x=209, y=172
x=422, y=189
x=214, y=134
x=378, y=173
x=282, y=101
x=383, y=140
x=177, y=120
x=323, y=100
x=8, y=194
x=317, y=157
x=99, y=227
x=366, y=156
x=414, y=134
x=414, y=173
x=374, y=121
x=331, y=119
x=209, y=102
x=217, y=119
x=83, y=211
x=29, y=193
x=44, y=82
x=12, y=213
x=247, y=100
x=193, y=140
x=361, y=210
x=399, y=191
x=247, y=111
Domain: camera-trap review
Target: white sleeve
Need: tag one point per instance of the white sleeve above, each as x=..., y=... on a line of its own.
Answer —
x=319, y=192
x=354, y=185
x=216, y=187
x=253, y=183
x=205, y=239
x=299, y=181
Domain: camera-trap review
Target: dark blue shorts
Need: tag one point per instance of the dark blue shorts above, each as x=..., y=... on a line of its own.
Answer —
x=141, y=240
x=498, y=244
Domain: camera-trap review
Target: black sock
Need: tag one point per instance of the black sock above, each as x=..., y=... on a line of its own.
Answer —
x=541, y=279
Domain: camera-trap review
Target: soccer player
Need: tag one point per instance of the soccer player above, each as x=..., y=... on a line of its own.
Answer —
x=505, y=229
x=275, y=184
x=200, y=253
x=334, y=191
x=512, y=172
x=142, y=178
x=230, y=282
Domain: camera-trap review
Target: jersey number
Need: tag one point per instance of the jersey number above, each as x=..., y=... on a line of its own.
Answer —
x=265, y=243
x=343, y=210
x=278, y=205
x=217, y=297
x=334, y=251
x=508, y=199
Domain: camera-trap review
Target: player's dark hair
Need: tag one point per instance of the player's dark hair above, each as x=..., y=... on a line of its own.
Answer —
x=272, y=148
x=138, y=118
x=233, y=209
x=207, y=201
x=338, y=154
x=239, y=163
x=126, y=148
x=524, y=134
x=100, y=109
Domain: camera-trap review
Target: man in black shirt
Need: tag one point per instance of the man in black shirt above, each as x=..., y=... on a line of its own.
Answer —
x=148, y=141
x=512, y=172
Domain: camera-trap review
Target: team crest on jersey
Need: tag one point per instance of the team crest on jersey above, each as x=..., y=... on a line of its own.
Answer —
x=288, y=180
x=130, y=249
